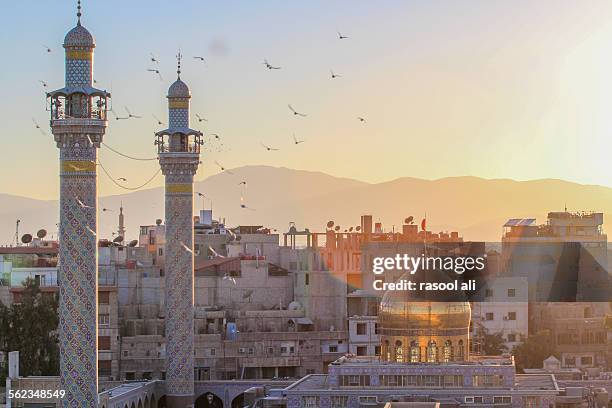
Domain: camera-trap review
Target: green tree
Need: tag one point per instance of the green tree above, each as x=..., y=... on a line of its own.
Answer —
x=493, y=344
x=533, y=350
x=30, y=327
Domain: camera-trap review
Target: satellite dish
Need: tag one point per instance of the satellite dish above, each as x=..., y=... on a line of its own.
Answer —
x=351, y=229
x=295, y=305
x=358, y=228
x=118, y=240
x=337, y=228
x=26, y=238
x=41, y=233
x=330, y=224
x=408, y=220
x=133, y=243
x=158, y=221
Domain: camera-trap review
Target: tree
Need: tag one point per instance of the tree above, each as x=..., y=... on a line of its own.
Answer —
x=533, y=350
x=493, y=344
x=30, y=327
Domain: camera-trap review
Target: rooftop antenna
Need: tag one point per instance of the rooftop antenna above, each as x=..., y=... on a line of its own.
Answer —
x=17, y=232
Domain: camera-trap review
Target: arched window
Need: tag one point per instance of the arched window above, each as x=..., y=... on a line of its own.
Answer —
x=387, y=351
x=399, y=352
x=415, y=352
x=447, y=352
x=460, y=350
x=432, y=352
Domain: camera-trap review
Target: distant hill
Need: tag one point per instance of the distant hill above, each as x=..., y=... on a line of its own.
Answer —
x=475, y=207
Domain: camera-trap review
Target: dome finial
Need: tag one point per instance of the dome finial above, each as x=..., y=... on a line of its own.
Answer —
x=178, y=59
x=78, y=12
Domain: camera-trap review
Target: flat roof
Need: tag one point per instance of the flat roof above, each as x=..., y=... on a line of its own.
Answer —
x=361, y=361
x=536, y=382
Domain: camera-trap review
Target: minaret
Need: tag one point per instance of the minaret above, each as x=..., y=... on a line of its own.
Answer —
x=78, y=123
x=121, y=228
x=179, y=156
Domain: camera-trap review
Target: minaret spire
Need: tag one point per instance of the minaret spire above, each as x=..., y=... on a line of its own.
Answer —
x=179, y=56
x=78, y=12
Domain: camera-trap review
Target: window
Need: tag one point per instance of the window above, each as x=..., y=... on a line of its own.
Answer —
x=447, y=352
x=306, y=279
x=212, y=352
x=478, y=400
x=489, y=293
x=130, y=376
x=377, y=350
x=399, y=352
x=570, y=361
x=362, y=350
x=333, y=349
x=511, y=337
x=103, y=320
x=104, y=343
x=160, y=252
x=354, y=380
x=339, y=401
x=511, y=292
x=376, y=329
x=487, y=380
x=270, y=350
x=361, y=329
x=126, y=353
x=310, y=402
x=251, y=351
x=502, y=400
x=368, y=400
x=104, y=368
x=511, y=315
x=103, y=298
x=415, y=352
x=489, y=316
x=587, y=360
x=432, y=352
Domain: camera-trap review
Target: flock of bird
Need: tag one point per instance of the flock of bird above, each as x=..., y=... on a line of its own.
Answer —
x=213, y=140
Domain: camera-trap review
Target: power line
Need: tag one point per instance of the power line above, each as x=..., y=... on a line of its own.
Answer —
x=127, y=156
x=123, y=187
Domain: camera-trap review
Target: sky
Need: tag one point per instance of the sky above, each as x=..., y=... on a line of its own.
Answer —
x=518, y=90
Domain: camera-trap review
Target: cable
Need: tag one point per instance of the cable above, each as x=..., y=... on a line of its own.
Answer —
x=125, y=155
x=123, y=187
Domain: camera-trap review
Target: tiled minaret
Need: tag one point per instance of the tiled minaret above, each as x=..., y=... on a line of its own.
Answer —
x=78, y=123
x=179, y=156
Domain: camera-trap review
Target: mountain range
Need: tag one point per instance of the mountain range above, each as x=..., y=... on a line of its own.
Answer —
x=274, y=197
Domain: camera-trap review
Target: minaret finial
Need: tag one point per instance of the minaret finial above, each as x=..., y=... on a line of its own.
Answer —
x=79, y=12
x=178, y=59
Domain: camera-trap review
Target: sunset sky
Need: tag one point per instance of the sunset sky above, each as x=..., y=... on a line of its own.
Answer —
x=519, y=89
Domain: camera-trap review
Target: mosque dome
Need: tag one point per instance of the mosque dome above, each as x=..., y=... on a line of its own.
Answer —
x=79, y=36
x=418, y=329
x=179, y=89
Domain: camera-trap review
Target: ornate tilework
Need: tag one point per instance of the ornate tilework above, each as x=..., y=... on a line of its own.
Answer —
x=178, y=118
x=179, y=293
x=78, y=283
x=79, y=72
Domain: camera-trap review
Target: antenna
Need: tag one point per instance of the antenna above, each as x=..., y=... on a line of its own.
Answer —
x=17, y=232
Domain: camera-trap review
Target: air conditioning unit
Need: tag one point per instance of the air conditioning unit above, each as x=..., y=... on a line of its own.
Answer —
x=469, y=400
x=241, y=350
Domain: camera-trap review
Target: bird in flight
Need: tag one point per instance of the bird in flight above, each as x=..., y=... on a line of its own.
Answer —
x=201, y=119
x=157, y=72
x=153, y=59
x=37, y=126
x=215, y=135
x=296, y=113
x=269, y=66
x=199, y=58
x=185, y=247
x=118, y=117
x=222, y=168
x=215, y=253
x=268, y=148
x=296, y=141
x=362, y=120
x=82, y=204
x=341, y=37
x=47, y=48
x=130, y=114
x=242, y=183
x=243, y=205
x=122, y=179
x=92, y=232
x=159, y=122
x=106, y=209
x=44, y=84
x=227, y=277
x=334, y=75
